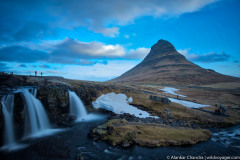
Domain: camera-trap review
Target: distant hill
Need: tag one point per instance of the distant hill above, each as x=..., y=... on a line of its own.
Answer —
x=164, y=65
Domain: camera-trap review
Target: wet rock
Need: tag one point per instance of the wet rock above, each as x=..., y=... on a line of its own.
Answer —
x=237, y=135
x=80, y=157
x=55, y=99
x=72, y=118
x=128, y=139
x=125, y=144
x=110, y=130
x=167, y=111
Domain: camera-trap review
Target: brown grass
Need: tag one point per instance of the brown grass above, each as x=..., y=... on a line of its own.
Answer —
x=151, y=135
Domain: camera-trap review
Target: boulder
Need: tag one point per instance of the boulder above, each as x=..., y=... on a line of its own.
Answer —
x=160, y=99
x=167, y=111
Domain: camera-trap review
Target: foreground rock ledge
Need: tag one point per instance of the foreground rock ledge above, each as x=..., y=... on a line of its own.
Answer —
x=124, y=133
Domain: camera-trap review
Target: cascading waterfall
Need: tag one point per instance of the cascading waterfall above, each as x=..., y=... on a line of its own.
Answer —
x=36, y=119
x=76, y=106
x=7, y=108
x=34, y=92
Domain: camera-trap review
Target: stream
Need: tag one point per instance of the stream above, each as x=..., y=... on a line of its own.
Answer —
x=73, y=143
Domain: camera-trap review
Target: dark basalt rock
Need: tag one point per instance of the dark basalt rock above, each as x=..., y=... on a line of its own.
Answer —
x=72, y=118
x=55, y=99
x=160, y=99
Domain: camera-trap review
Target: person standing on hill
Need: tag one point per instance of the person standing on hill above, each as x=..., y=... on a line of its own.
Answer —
x=35, y=73
x=41, y=74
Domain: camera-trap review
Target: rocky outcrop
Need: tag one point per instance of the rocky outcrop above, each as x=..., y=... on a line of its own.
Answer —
x=160, y=99
x=55, y=99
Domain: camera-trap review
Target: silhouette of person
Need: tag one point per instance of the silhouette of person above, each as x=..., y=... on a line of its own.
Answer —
x=41, y=73
x=35, y=73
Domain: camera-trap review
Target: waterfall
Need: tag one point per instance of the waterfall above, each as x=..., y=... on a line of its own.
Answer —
x=7, y=108
x=76, y=106
x=36, y=120
x=34, y=92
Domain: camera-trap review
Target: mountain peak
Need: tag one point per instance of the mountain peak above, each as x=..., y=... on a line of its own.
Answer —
x=164, y=65
x=163, y=46
x=161, y=50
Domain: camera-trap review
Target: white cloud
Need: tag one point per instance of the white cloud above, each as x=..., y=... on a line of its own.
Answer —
x=99, y=16
x=109, y=32
x=94, y=49
x=205, y=58
x=186, y=53
x=70, y=50
x=139, y=53
x=99, y=72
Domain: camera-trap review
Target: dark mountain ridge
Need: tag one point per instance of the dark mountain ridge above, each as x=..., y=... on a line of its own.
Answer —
x=164, y=65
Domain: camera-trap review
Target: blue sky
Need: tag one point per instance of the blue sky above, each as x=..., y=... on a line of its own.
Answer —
x=100, y=40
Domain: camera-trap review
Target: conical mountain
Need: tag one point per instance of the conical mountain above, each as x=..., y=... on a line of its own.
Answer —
x=164, y=65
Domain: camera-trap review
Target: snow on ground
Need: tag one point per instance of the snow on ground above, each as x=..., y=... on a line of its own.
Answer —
x=182, y=102
x=171, y=91
x=187, y=103
x=118, y=103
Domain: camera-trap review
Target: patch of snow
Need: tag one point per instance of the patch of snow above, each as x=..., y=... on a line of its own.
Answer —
x=171, y=91
x=130, y=100
x=187, y=103
x=118, y=103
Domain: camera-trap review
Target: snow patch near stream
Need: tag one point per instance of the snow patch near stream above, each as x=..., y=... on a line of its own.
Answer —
x=188, y=103
x=182, y=102
x=119, y=104
x=171, y=91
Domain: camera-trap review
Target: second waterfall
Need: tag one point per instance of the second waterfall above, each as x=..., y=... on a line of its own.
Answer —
x=36, y=119
x=76, y=106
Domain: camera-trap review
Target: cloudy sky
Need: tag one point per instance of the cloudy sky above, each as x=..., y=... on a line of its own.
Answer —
x=100, y=39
